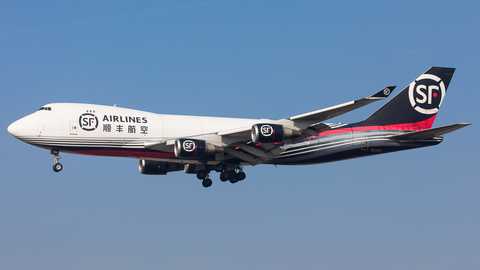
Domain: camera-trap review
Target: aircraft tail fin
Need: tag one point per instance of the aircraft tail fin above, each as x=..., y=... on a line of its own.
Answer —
x=418, y=103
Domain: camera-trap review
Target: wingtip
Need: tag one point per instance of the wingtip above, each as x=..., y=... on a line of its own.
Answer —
x=385, y=92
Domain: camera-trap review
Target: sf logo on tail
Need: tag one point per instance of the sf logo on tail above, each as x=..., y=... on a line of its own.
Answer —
x=426, y=94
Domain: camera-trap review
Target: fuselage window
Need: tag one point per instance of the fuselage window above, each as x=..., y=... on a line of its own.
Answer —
x=45, y=109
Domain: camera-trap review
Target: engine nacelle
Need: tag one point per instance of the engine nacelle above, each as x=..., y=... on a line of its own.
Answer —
x=272, y=133
x=157, y=167
x=191, y=148
x=152, y=167
x=192, y=168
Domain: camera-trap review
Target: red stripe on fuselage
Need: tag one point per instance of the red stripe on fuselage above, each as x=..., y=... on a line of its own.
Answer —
x=426, y=124
x=122, y=153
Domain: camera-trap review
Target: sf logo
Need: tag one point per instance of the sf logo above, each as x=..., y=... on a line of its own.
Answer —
x=426, y=94
x=88, y=121
x=266, y=130
x=188, y=145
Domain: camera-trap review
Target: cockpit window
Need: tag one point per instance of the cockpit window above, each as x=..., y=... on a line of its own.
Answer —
x=45, y=109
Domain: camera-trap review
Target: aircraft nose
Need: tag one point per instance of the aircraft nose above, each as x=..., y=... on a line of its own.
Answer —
x=12, y=129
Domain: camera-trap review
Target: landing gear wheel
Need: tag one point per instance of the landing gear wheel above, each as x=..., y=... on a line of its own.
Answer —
x=207, y=182
x=224, y=176
x=240, y=176
x=219, y=167
x=57, y=167
x=201, y=175
x=231, y=174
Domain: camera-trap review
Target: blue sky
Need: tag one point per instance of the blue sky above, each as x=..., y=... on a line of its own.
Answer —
x=416, y=209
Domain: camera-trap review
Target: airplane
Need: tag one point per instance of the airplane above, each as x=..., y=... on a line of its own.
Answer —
x=199, y=145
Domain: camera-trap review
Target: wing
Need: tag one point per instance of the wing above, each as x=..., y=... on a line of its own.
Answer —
x=307, y=119
x=240, y=144
x=314, y=119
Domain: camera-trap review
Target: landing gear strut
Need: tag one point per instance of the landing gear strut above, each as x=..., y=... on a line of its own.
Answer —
x=57, y=166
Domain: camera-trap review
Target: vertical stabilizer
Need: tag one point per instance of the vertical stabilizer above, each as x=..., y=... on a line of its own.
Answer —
x=418, y=103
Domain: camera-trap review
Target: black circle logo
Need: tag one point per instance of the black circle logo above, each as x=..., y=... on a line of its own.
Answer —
x=266, y=130
x=426, y=94
x=88, y=121
x=188, y=145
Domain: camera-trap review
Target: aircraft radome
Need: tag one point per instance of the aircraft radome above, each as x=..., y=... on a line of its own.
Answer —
x=198, y=145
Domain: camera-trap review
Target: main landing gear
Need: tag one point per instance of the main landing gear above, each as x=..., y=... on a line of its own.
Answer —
x=57, y=166
x=206, y=181
x=228, y=172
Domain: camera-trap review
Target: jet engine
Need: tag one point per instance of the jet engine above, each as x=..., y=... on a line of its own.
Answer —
x=157, y=167
x=190, y=168
x=271, y=133
x=191, y=148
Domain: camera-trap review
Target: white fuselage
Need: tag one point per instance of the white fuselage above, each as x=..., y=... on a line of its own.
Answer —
x=73, y=127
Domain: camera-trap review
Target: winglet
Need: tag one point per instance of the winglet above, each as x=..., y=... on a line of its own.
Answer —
x=384, y=93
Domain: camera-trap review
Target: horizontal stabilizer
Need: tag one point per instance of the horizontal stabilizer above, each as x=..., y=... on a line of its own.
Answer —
x=428, y=133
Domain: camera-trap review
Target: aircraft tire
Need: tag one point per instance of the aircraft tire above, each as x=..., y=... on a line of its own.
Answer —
x=219, y=167
x=223, y=177
x=201, y=175
x=233, y=180
x=207, y=182
x=240, y=176
x=57, y=167
x=231, y=174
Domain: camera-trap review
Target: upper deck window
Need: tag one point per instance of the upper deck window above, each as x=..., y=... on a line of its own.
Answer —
x=45, y=109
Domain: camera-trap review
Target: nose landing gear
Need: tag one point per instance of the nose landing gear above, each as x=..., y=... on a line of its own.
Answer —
x=57, y=166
